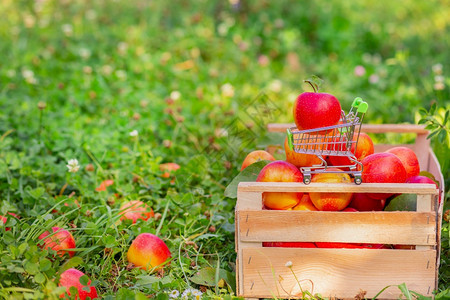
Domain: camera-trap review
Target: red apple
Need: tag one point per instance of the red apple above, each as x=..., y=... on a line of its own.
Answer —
x=363, y=148
x=331, y=201
x=362, y=202
x=134, y=210
x=256, y=156
x=422, y=179
x=280, y=171
x=59, y=240
x=408, y=159
x=350, y=209
x=4, y=219
x=349, y=245
x=382, y=168
x=148, y=252
x=289, y=244
x=314, y=110
x=71, y=277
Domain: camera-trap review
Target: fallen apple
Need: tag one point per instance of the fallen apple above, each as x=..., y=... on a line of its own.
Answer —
x=148, y=252
x=59, y=240
x=71, y=278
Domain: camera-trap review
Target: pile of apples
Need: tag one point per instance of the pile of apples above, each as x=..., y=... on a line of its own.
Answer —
x=147, y=251
x=316, y=110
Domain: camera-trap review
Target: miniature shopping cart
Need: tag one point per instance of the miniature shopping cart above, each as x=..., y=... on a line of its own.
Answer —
x=334, y=140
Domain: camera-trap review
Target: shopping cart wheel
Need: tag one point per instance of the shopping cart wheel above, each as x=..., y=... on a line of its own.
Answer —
x=358, y=180
x=307, y=179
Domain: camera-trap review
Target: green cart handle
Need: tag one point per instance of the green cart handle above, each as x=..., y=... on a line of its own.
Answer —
x=361, y=105
x=290, y=138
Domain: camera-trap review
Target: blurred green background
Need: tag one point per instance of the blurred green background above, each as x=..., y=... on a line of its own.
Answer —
x=76, y=77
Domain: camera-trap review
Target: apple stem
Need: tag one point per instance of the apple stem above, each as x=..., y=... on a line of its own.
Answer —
x=313, y=85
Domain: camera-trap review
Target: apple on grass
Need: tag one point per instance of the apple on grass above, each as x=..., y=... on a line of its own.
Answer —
x=59, y=240
x=256, y=156
x=71, y=278
x=148, y=252
x=134, y=210
x=280, y=171
x=4, y=219
x=315, y=110
x=331, y=201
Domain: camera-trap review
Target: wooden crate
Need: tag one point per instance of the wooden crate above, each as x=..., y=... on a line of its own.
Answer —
x=340, y=273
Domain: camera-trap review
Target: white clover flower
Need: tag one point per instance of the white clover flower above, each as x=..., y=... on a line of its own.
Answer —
x=359, y=71
x=174, y=294
x=121, y=74
x=67, y=29
x=175, y=95
x=87, y=70
x=73, y=165
x=134, y=133
x=439, y=78
x=122, y=47
x=437, y=69
x=107, y=70
x=374, y=78
x=275, y=86
x=227, y=90
x=288, y=264
x=27, y=73
x=439, y=86
x=84, y=53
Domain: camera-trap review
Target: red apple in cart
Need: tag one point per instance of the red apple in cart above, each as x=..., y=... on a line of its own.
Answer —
x=315, y=110
x=361, y=150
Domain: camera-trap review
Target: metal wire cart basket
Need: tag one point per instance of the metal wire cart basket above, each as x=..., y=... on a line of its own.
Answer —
x=334, y=140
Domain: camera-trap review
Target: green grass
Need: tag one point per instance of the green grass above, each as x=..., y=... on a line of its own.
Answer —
x=105, y=68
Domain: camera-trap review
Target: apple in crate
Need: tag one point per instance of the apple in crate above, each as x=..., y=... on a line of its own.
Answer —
x=134, y=210
x=362, y=202
x=71, y=278
x=59, y=240
x=280, y=171
x=256, y=156
x=331, y=201
x=408, y=159
x=305, y=204
x=148, y=252
x=361, y=150
x=314, y=110
x=289, y=244
x=382, y=168
x=423, y=179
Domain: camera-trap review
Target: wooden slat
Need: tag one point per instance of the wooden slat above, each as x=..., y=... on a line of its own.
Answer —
x=351, y=227
x=367, y=128
x=395, y=188
x=336, y=272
